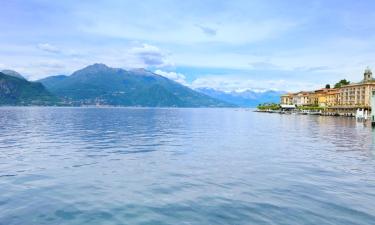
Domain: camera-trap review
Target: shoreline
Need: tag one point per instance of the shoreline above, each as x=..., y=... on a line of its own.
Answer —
x=309, y=112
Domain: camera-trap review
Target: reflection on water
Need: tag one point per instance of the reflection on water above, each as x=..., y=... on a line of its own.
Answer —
x=183, y=166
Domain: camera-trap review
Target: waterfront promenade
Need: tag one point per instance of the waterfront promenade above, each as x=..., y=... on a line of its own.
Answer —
x=344, y=99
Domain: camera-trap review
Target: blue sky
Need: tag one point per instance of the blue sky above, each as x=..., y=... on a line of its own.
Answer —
x=228, y=45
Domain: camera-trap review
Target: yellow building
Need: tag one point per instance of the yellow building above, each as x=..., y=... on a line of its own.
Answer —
x=358, y=94
x=333, y=98
x=326, y=97
x=322, y=100
x=348, y=97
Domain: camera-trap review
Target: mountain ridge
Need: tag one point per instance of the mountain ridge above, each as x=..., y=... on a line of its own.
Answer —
x=12, y=73
x=98, y=84
x=246, y=98
x=19, y=91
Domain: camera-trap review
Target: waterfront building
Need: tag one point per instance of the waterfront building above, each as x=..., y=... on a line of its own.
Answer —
x=333, y=97
x=287, y=99
x=358, y=94
x=343, y=100
x=299, y=99
x=302, y=98
x=326, y=97
x=322, y=97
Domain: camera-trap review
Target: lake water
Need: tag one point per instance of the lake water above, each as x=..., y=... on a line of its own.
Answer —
x=183, y=166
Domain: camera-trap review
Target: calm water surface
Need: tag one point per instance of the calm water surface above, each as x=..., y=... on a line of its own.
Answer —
x=183, y=166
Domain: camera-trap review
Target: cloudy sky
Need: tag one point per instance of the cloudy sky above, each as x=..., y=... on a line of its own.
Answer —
x=228, y=45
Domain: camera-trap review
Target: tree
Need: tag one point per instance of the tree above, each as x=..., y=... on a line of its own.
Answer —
x=342, y=83
x=328, y=86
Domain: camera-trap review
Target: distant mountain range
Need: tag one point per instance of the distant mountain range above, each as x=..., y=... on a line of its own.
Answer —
x=12, y=73
x=15, y=90
x=244, y=99
x=99, y=84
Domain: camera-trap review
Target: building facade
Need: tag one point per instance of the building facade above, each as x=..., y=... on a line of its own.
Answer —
x=352, y=96
x=301, y=98
x=286, y=99
x=358, y=94
x=326, y=97
x=333, y=98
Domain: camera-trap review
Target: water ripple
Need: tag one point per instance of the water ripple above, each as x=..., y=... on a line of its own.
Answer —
x=183, y=166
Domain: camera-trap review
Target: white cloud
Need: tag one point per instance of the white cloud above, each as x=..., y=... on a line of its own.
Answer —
x=178, y=77
x=232, y=32
x=48, y=48
x=260, y=65
x=207, y=30
x=150, y=55
x=238, y=84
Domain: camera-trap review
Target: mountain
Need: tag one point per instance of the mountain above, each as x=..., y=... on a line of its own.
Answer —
x=245, y=98
x=12, y=73
x=53, y=81
x=100, y=84
x=19, y=91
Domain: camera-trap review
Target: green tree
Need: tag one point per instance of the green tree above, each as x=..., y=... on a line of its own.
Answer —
x=342, y=83
x=268, y=106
